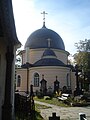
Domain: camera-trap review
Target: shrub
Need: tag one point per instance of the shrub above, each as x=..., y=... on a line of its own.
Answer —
x=40, y=95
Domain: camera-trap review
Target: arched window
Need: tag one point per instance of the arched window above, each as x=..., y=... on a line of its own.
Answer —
x=68, y=80
x=36, y=80
x=18, y=81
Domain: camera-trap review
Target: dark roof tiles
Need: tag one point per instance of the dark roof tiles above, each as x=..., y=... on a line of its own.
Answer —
x=49, y=62
x=39, y=39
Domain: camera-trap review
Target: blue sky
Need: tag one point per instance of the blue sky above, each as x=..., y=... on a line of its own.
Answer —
x=69, y=18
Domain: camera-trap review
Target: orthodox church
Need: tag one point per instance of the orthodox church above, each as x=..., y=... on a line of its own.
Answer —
x=45, y=63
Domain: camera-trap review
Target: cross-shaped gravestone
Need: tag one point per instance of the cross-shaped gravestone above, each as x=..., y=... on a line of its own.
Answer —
x=78, y=90
x=54, y=117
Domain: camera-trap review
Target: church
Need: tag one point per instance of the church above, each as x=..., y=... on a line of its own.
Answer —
x=45, y=63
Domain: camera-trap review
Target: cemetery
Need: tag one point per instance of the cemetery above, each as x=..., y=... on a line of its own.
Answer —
x=25, y=105
x=46, y=85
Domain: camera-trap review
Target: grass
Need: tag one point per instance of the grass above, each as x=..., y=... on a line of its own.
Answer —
x=53, y=101
x=37, y=108
x=37, y=115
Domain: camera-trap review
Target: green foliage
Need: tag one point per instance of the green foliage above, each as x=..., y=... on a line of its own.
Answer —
x=38, y=107
x=69, y=100
x=47, y=97
x=58, y=94
x=75, y=101
x=40, y=95
x=53, y=101
x=83, y=45
x=37, y=116
x=82, y=58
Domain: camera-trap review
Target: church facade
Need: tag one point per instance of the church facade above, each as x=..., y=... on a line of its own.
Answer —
x=45, y=63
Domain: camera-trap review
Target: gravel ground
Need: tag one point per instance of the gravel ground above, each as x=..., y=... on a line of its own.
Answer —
x=65, y=113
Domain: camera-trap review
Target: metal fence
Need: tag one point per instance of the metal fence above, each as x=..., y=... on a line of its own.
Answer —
x=24, y=107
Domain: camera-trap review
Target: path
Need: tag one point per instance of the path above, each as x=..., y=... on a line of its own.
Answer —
x=65, y=113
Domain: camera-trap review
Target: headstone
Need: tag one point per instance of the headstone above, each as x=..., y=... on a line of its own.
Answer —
x=82, y=116
x=54, y=117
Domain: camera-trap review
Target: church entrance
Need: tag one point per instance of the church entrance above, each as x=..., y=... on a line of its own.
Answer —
x=43, y=88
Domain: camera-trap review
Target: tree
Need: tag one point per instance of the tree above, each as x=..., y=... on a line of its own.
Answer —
x=82, y=58
x=18, y=59
x=83, y=45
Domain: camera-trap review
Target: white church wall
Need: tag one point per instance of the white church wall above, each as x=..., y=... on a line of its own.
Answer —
x=61, y=55
x=23, y=75
x=50, y=74
x=27, y=55
x=36, y=54
x=31, y=76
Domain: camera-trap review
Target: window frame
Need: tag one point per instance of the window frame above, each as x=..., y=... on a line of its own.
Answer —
x=36, y=79
x=18, y=83
x=68, y=80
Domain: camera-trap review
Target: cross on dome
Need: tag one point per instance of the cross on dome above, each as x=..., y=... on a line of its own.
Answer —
x=49, y=42
x=44, y=17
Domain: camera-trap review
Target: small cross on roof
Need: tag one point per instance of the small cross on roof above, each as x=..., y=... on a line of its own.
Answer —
x=44, y=13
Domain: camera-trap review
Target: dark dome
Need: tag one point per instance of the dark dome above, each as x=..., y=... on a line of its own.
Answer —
x=48, y=52
x=39, y=39
x=49, y=62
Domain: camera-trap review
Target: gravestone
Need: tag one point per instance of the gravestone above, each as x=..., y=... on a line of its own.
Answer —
x=82, y=116
x=54, y=117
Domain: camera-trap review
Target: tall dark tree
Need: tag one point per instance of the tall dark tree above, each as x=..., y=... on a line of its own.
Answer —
x=18, y=59
x=82, y=58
